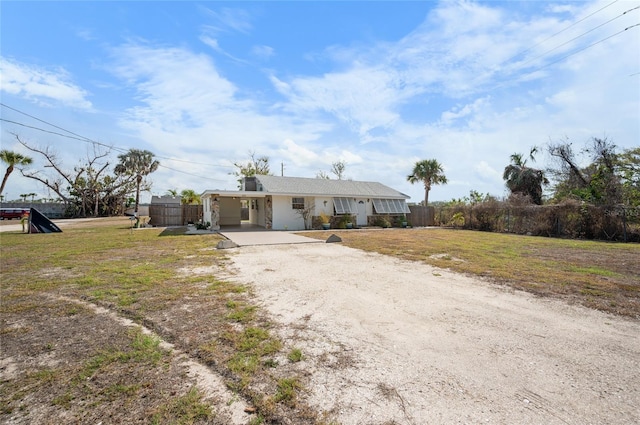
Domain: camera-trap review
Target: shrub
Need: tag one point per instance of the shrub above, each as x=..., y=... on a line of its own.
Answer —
x=382, y=221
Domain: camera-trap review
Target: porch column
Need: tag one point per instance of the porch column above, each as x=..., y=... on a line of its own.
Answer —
x=268, y=212
x=215, y=213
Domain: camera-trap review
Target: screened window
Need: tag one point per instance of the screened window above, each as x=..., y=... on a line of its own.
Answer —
x=297, y=203
x=391, y=206
x=344, y=206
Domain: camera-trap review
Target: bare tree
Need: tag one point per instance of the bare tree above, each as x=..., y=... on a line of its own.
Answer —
x=254, y=167
x=598, y=182
x=306, y=213
x=338, y=169
x=87, y=187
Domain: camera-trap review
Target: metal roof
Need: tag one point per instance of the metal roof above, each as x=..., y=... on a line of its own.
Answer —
x=325, y=187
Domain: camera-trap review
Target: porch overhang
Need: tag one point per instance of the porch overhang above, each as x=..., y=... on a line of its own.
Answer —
x=242, y=194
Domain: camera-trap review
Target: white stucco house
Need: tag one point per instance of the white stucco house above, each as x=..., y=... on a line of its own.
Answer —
x=277, y=203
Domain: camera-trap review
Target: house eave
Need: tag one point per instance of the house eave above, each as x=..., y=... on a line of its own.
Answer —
x=234, y=194
x=262, y=194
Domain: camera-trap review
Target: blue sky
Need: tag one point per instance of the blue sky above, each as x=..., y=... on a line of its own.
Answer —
x=379, y=85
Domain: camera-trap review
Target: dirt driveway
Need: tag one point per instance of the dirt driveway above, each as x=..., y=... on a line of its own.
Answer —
x=396, y=342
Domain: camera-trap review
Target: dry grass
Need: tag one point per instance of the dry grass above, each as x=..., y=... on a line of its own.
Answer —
x=71, y=365
x=600, y=275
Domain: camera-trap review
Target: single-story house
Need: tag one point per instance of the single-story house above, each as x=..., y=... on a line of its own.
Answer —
x=282, y=203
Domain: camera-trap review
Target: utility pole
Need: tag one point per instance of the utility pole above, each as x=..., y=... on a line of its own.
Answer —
x=282, y=169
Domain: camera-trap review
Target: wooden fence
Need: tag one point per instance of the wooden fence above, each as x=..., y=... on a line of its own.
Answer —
x=164, y=215
x=421, y=216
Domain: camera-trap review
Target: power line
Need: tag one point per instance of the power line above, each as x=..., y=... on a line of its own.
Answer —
x=53, y=125
x=83, y=140
x=88, y=140
x=45, y=131
x=190, y=174
x=577, y=37
x=584, y=48
x=561, y=31
x=505, y=83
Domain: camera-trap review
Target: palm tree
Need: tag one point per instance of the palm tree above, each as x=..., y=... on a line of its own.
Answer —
x=429, y=172
x=12, y=159
x=137, y=163
x=190, y=197
x=525, y=180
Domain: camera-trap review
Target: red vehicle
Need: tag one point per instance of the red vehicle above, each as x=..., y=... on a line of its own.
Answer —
x=9, y=213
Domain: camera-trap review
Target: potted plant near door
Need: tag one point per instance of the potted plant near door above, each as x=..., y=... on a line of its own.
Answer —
x=345, y=222
x=348, y=221
x=403, y=221
x=324, y=221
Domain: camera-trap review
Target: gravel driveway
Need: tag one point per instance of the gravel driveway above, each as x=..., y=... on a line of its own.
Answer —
x=388, y=341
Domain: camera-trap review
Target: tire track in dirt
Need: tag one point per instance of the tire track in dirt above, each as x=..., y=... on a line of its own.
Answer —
x=227, y=404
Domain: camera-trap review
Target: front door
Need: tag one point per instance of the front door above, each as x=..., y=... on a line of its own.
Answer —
x=361, y=219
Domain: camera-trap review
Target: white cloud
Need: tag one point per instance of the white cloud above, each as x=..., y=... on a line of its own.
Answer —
x=486, y=172
x=280, y=86
x=187, y=109
x=41, y=85
x=453, y=90
x=211, y=42
x=262, y=52
x=176, y=87
x=460, y=112
x=295, y=153
x=227, y=19
x=363, y=98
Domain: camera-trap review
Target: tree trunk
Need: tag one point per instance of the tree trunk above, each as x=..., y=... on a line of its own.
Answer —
x=426, y=194
x=6, y=176
x=138, y=181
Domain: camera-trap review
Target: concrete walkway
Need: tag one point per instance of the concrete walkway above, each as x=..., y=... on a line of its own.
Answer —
x=266, y=237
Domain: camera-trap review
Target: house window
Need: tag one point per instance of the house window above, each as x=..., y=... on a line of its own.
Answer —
x=297, y=203
x=391, y=206
x=344, y=206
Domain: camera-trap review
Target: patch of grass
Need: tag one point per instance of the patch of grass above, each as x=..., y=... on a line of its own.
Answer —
x=146, y=348
x=186, y=409
x=240, y=312
x=270, y=363
x=143, y=349
x=63, y=400
x=259, y=341
x=295, y=355
x=117, y=391
x=287, y=391
x=44, y=375
x=244, y=364
x=223, y=288
x=251, y=346
x=597, y=271
x=544, y=266
x=120, y=297
x=258, y=420
x=144, y=277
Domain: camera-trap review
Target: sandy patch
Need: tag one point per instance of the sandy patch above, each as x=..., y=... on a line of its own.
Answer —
x=392, y=341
